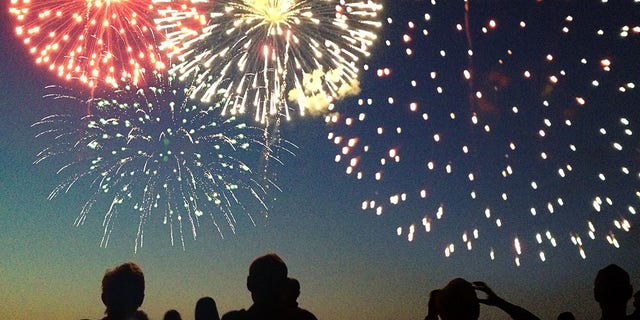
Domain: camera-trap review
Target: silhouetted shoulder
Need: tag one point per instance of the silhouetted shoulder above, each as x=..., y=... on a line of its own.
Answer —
x=236, y=315
x=303, y=314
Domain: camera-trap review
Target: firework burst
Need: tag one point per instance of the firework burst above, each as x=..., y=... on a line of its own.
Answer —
x=493, y=141
x=152, y=151
x=92, y=41
x=264, y=53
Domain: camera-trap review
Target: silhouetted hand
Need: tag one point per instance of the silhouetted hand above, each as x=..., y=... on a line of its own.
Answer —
x=516, y=312
x=492, y=298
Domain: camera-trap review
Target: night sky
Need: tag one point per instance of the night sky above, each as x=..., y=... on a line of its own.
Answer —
x=505, y=155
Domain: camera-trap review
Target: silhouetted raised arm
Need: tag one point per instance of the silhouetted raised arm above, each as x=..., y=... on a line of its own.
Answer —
x=514, y=311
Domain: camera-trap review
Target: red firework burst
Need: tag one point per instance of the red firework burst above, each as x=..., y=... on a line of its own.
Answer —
x=94, y=41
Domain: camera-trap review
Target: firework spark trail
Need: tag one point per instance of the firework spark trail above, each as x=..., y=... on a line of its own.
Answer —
x=153, y=151
x=265, y=52
x=545, y=157
x=94, y=41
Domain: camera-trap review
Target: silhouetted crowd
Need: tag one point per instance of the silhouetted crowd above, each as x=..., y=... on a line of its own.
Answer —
x=275, y=295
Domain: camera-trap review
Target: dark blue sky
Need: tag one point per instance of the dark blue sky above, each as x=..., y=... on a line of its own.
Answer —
x=351, y=262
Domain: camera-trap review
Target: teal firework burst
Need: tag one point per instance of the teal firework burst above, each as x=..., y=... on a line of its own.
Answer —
x=154, y=154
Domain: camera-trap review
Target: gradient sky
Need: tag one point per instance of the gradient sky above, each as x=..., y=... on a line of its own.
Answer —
x=352, y=263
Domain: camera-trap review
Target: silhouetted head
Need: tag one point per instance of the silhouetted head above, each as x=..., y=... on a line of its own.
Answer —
x=123, y=289
x=566, y=316
x=458, y=301
x=612, y=287
x=206, y=309
x=291, y=292
x=172, y=315
x=267, y=275
x=139, y=315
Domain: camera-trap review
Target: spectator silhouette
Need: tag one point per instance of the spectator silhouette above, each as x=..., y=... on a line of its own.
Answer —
x=172, y=315
x=290, y=294
x=267, y=275
x=123, y=292
x=432, y=312
x=636, y=305
x=612, y=290
x=206, y=309
x=566, y=316
x=458, y=301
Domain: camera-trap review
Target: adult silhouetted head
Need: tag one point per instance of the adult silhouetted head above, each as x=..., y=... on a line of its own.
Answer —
x=612, y=290
x=458, y=301
x=206, y=309
x=267, y=275
x=123, y=290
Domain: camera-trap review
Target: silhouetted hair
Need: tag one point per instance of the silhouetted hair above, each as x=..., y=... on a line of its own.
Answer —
x=458, y=301
x=172, y=315
x=612, y=285
x=123, y=289
x=206, y=309
x=566, y=316
x=267, y=274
